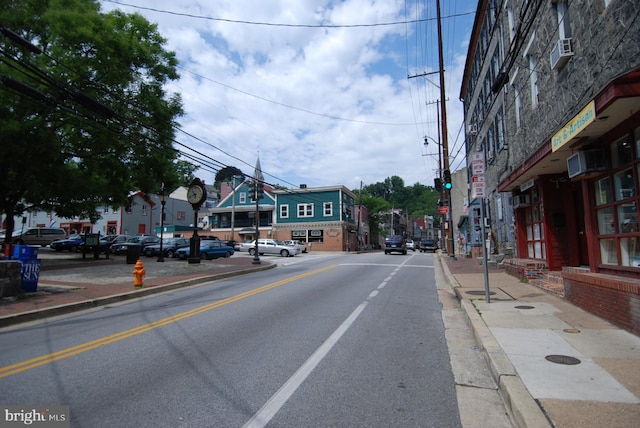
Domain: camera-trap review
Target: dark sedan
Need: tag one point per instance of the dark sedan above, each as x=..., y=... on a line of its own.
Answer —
x=135, y=242
x=169, y=247
x=209, y=249
x=73, y=243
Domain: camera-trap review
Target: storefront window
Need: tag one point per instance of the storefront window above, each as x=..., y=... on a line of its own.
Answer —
x=608, y=251
x=618, y=202
x=605, y=221
x=536, y=247
x=603, y=191
x=628, y=218
x=625, y=188
x=630, y=251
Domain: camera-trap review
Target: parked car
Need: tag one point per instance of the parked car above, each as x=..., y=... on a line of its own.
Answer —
x=73, y=243
x=245, y=245
x=298, y=244
x=136, y=241
x=411, y=245
x=428, y=245
x=395, y=243
x=42, y=236
x=209, y=249
x=169, y=247
x=272, y=246
x=230, y=243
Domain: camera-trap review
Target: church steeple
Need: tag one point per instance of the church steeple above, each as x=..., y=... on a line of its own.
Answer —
x=257, y=173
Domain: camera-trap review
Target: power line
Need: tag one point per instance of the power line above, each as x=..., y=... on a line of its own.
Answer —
x=271, y=24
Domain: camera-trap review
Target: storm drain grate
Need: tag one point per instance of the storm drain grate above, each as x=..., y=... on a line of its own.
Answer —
x=479, y=292
x=525, y=307
x=563, y=359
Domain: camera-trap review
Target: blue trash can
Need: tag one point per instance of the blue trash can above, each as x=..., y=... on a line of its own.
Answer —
x=25, y=252
x=30, y=269
x=30, y=272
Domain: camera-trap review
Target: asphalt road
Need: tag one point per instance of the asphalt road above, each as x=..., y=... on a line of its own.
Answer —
x=331, y=341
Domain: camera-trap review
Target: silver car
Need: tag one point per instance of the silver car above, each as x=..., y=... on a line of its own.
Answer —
x=297, y=244
x=272, y=246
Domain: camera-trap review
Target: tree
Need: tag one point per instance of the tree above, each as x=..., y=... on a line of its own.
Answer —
x=227, y=173
x=87, y=120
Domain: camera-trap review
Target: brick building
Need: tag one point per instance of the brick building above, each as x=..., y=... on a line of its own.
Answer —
x=551, y=94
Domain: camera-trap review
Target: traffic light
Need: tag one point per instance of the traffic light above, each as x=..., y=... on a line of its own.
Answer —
x=252, y=189
x=259, y=190
x=437, y=183
x=447, y=179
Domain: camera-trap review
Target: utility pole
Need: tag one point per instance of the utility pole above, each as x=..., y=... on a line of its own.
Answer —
x=445, y=140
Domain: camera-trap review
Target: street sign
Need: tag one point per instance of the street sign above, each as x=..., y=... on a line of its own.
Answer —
x=477, y=186
x=477, y=164
x=443, y=210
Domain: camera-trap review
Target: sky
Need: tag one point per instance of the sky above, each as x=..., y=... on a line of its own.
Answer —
x=324, y=92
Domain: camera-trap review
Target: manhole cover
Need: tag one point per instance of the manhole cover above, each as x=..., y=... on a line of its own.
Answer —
x=525, y=307
x=563, y=359
x=479, y=292
x=571, y=330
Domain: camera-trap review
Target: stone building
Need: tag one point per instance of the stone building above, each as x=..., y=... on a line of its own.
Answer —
x=551, y=93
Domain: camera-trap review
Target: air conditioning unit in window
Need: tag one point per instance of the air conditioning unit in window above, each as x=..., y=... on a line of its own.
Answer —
x=560, y=54
x=585, y=162
x=521, y=201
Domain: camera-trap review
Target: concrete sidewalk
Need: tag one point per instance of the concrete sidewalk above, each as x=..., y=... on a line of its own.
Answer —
x=555, y=364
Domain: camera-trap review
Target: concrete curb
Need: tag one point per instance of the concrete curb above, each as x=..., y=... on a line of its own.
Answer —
x=134, y=294
x=523, y=409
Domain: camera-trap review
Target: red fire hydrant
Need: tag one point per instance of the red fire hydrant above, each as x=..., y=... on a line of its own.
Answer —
x=138, y=273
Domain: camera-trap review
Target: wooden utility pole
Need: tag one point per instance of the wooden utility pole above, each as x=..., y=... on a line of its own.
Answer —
x=443, y=124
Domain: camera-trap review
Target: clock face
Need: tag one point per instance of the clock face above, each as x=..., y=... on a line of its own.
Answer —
x=194, y=194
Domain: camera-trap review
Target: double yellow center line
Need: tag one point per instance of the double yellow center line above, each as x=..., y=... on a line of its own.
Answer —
x=87, y=346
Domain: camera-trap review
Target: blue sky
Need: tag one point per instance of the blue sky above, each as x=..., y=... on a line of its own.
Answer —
x=318, y=89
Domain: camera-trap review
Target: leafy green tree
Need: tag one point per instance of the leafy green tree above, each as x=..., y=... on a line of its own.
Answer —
x=84, y=117
x=417, y=200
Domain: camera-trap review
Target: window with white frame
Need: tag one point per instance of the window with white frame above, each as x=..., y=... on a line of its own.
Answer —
x=533, y=80
x=328, y=209
x=242, y=197
x=284, y=211
x=564, y=25
x=144, y=210
x=305, y=210
x=517, y=104
x=500, y=138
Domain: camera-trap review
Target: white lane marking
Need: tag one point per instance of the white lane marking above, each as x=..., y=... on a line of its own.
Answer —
x=277, y=400
x=275, y=403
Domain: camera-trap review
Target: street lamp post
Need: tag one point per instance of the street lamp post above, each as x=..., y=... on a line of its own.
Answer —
x=163, y=195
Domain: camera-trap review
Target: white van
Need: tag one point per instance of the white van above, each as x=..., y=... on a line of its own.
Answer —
x=37, y=236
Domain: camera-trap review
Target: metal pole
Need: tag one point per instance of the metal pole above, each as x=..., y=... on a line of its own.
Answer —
x=256, y=256
x=233, y=206
x=162, y=202
x=485, y=254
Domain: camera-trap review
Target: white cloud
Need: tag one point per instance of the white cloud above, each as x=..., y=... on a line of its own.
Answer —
x=279, y=91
